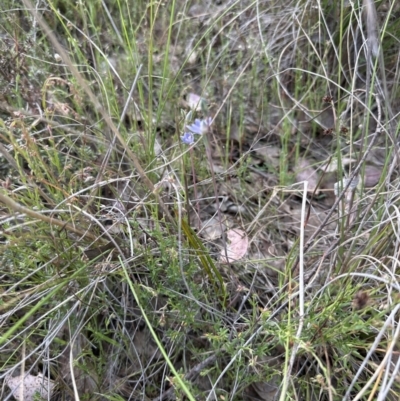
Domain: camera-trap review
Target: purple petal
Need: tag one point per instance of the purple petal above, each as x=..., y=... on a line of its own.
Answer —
x=195, y=127
x=200, y=127
x=208, y=121
x=187, y=138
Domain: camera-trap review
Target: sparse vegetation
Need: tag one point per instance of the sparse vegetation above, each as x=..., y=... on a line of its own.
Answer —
x=199, y=200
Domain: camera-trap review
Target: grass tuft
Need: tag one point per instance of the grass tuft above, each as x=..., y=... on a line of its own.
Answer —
x=115, y=232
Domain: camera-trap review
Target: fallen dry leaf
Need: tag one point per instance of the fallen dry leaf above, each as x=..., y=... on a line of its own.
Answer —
x=268, y=154
x=268, y=389
x=332, y=165
x=195, y=102
x=32, y=385
x=237, y=247
x=211, y=229
x=305, y=172
x=372, y=176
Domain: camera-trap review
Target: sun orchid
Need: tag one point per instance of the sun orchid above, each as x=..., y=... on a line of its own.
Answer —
x=187, y=138
x=199, y=127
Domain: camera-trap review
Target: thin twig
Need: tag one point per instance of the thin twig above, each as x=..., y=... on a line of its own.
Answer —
x=339, y=198
x=191, y=375
x=16, y=207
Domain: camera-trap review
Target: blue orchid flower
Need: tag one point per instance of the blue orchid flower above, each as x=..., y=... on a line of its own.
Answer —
x=187, y=138
x=200, y=127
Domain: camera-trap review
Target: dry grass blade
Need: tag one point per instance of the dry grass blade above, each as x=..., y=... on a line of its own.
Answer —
x=139, y=140
x=52, y=221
